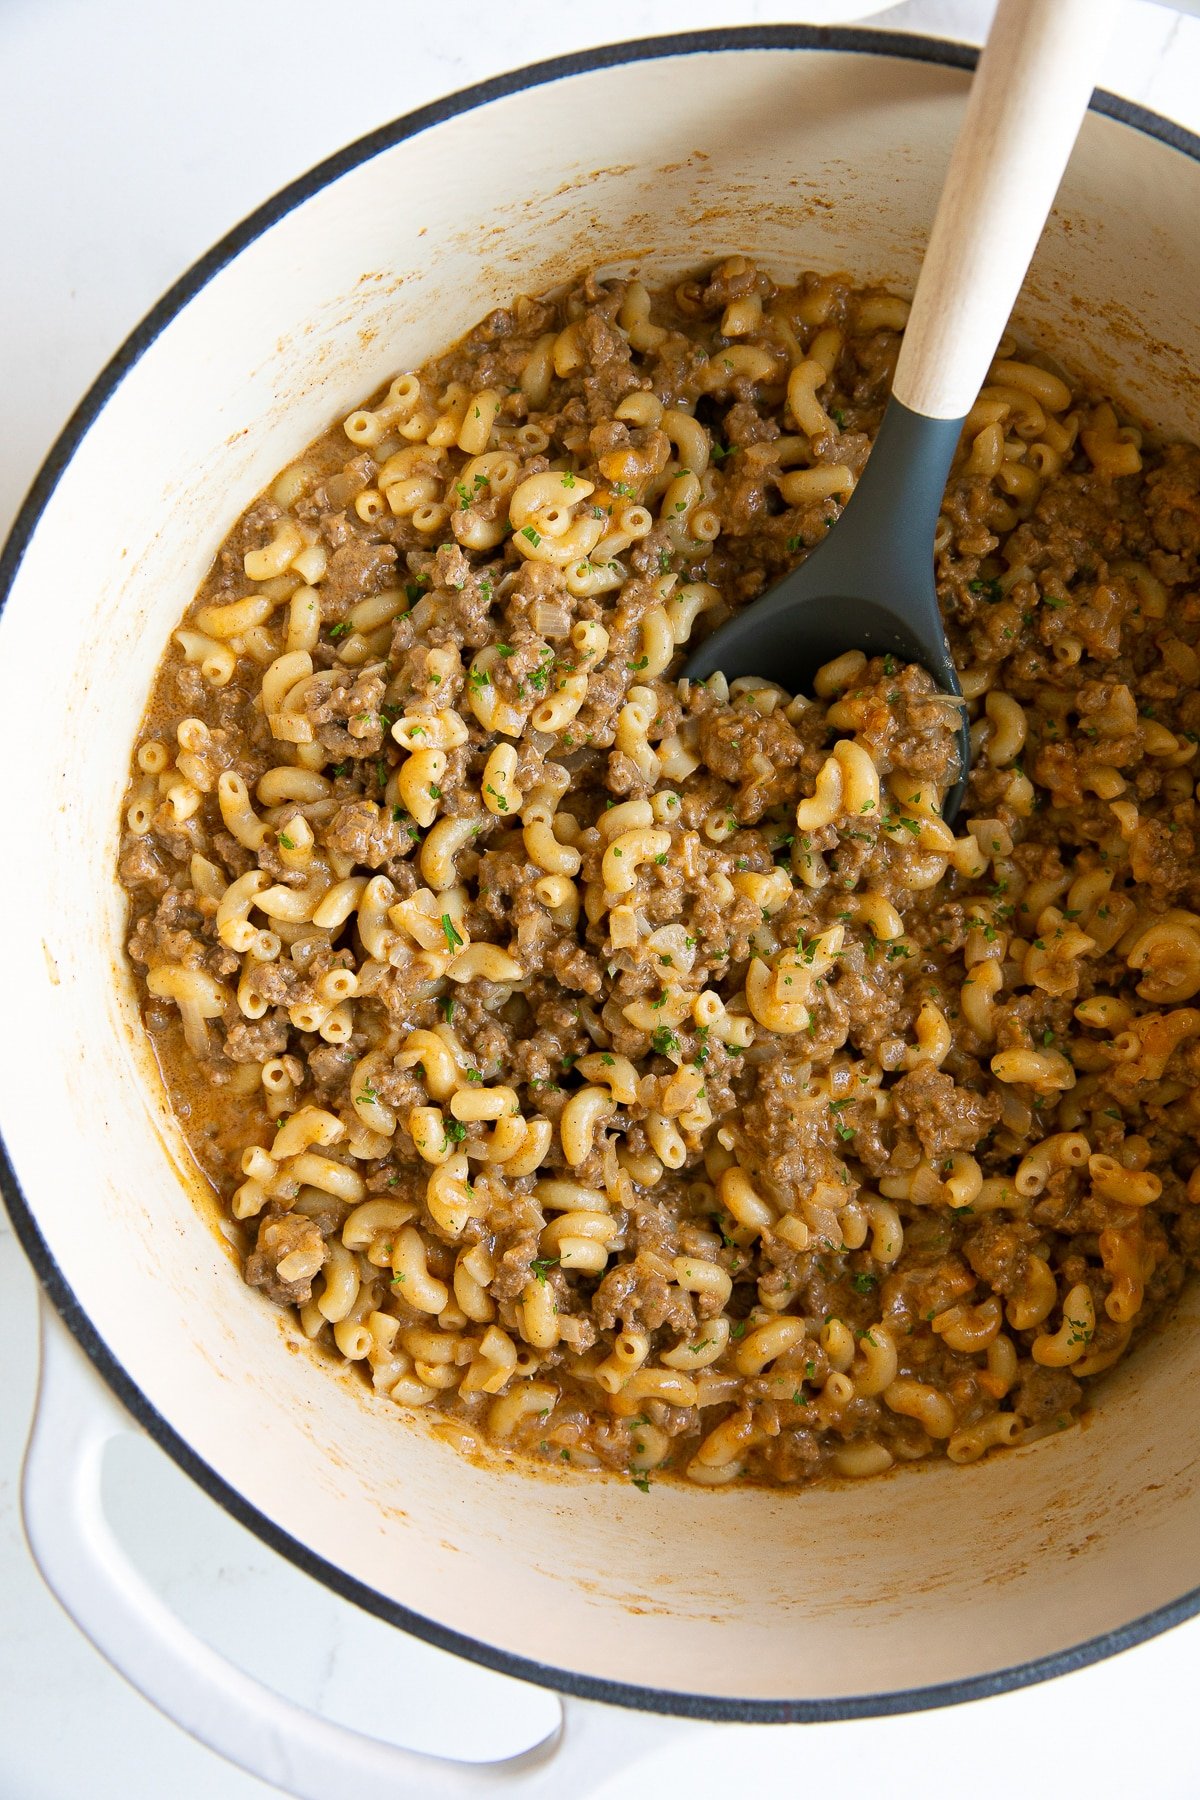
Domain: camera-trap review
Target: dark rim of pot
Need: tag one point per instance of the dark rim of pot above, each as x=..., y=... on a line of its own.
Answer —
x=617, y=1693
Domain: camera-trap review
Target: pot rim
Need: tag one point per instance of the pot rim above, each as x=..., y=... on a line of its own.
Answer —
x=857, y=40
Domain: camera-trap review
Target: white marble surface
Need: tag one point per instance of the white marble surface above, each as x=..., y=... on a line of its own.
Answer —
x=133, y=133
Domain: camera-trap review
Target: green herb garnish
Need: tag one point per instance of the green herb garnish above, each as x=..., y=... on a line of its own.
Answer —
x=453, y=940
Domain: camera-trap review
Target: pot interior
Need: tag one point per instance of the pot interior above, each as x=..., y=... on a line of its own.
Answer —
x=808, y=158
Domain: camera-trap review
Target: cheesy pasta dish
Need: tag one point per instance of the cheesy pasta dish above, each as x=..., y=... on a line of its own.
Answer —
x=640, y=1074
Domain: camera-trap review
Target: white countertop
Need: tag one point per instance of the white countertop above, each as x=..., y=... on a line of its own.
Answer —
x=132, y=134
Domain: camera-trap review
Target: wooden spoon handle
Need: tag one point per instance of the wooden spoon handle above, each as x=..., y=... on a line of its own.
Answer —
x=1027, y=101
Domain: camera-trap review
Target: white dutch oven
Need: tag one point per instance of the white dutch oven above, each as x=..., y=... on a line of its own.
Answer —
x=811, y=149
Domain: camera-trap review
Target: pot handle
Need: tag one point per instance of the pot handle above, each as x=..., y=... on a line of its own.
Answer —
x=240, y=1718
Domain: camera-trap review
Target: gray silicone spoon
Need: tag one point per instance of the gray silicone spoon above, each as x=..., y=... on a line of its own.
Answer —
x=869, y=584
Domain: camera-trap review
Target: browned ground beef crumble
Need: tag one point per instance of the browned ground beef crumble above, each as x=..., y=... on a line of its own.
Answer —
x=816, y=1190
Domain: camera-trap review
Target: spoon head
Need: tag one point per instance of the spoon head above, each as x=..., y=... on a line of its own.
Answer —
x=868, y=585
x=800, y=625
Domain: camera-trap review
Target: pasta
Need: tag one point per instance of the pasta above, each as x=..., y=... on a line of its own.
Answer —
x=642, y=1074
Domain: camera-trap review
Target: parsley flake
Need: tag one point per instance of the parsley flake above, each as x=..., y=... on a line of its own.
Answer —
x=453, y=940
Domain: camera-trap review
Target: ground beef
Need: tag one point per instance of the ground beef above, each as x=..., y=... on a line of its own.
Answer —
x=141, y=866
x=171, y=934
x=254, y=1041
x=639, y=1296
x=290, y=1235
x=1041, y=1393
x=344, y=713
x=945, y=1117
x=998, y=1251
x=356, y=571
x=366, y=833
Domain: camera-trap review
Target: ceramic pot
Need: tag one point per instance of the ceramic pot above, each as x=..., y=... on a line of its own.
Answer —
x=810, y=149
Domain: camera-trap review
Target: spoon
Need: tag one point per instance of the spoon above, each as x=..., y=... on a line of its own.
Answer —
x=869, y=584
